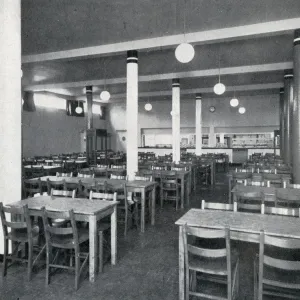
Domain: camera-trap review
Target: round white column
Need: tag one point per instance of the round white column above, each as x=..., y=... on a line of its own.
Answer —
x=11, y=104
x=132, y=114
x=198, y=124
x=176, y=120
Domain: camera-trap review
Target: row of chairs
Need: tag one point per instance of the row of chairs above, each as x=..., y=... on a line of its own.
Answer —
x=209, y=257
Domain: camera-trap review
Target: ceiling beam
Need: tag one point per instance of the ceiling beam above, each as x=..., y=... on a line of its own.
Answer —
x=201, y=37
x=250, y=87
x=168, y=76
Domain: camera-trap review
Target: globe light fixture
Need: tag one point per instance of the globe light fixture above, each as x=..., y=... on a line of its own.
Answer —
x=234, y=102
x=148, y=106
x=184, y=53
x=219, y=88
x=78, y=109
x=242, y=110
x=105, y=95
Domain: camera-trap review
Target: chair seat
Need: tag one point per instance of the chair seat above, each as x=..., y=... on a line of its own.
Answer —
x=20, y=235
x=212, y=266
x=66, y=241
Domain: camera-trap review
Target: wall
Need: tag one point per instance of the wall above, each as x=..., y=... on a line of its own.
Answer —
x=51, y=131
x=262, y=114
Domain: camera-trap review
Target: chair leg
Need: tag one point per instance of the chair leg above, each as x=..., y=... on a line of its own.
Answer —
x=100, y=251
x=5, y=257
x=48, y=258
x=77, y=266
x=30, y=259
x=161, y=198
x=126, y=222
x=136, y=215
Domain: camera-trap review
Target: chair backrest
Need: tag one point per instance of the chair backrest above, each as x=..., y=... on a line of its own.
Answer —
x=287, y=197
x=255, y=183
x=194, y=251
x=82, y=175
x=118, y=167
x=21, y=220
x=102, y=166
x=291, y=186
x=120, y=177
x=64, y=236
x=281, y=254
x=60, y=193
x=249, y=201
x=158, y=167
x=58, y=174
x=31, y=187
x=39, y=194
x=103, y=196
x=218, y=206
x=56, y=184
x=143, y=178
x=282, y=211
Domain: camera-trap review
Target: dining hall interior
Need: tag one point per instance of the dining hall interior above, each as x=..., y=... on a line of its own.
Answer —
x=150, y=149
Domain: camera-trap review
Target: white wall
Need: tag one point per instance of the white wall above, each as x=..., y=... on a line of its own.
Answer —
x=262, y=114
x=51, y=131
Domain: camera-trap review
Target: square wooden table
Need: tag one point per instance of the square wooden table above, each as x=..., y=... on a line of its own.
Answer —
x=243, y=226
x=46, y=169
x=84, y=210
x=139, y=187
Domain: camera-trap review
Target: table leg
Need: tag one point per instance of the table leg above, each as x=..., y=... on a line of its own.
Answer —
x=189, y=189
x=181, y=265
x=143, y=211
x=183, y=186
x=153, y=205
x=93, y=246
x=229, y=191
x=113, y=236
x=195, y=178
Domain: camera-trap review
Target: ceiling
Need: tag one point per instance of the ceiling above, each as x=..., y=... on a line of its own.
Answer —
x=69, y=44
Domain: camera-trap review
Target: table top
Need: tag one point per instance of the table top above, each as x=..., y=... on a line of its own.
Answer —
x=265, y=190
x=117, y=183
x=286, y=175
x=42, y=166
x=79, y=205
x=282, y=226
x=166, y=172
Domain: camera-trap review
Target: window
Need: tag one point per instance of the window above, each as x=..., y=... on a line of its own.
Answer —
x=49, y=101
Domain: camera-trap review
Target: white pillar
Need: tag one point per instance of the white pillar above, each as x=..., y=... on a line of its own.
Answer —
x=11, y=104
x=222, y=140
x=132, y=114
x=198, y=124
x=176, y=120
x=211, y=137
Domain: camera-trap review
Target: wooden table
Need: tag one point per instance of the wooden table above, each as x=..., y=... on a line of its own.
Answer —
x=185, y=179
x=105, y=171
x=47, y=169
x=268, y=191
x=140, y=187
x=243, y=226
x=231, y=175
x=84, y=210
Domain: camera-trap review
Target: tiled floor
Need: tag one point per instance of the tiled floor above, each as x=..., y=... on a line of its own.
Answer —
x=147, y=266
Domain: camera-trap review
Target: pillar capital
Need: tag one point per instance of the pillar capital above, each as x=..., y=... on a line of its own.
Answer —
x=198, y=96
x=288, y=73
x=175, y=82
x=281, y=91
x=297, y=37
x=132, y=56
x=89, y=89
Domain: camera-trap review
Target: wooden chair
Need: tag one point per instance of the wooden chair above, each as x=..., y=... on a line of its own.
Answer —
x=63, y=239
x=209, y=264
x=249, y=201
x=31, y=187
x=58, y=174
x=82, y=175
x=60, y=193
x=282, y=211
x=37, y=172
x=276, y=271
x=274, y=180
x=217, y=206
x=19, y=230
x=287, y=198
x=55, y=184
x=119, y=177
x=85, y=188
x=170, y=189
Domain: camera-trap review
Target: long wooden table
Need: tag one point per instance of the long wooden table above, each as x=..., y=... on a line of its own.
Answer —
x=243, y=226
x=139, y=187
x=46, y=169
x=270, y=192
x=84, y=210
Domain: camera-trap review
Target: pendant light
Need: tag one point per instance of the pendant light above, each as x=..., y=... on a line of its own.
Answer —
x=148, y=105
x=234, y=102
x=219, y=88
x=105, y=95
x=78, y=109
x=242, y=110
x=184, y=52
